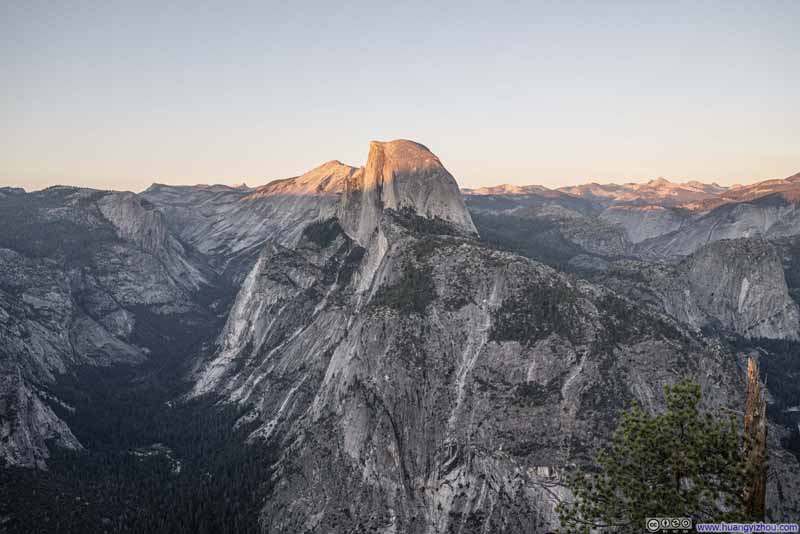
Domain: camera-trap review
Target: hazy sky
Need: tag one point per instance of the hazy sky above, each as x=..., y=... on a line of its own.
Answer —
x=120, y=94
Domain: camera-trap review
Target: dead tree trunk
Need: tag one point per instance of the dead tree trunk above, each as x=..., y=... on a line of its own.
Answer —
x=755, y=433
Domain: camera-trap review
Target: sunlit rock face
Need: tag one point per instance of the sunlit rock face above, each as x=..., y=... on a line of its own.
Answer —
x=230, y=225
x=402, y=175
x=416, y=380
x=766, y=210
x=401, y=180
x=660, y=192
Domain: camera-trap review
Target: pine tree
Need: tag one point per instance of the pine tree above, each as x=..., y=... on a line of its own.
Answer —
x=679, y=463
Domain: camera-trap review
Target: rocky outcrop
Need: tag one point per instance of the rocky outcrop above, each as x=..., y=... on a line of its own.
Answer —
x=137, y=221
x=768, y=218
x=230, y=225
x=78, y=270
x=51, y=320
x=405, y=410
x=401, y=175
x=738, y=285
x=729, y=287
x=402, y=180
x=453, y=390
x=646, y=222
x=43, y=333
x=27, y=422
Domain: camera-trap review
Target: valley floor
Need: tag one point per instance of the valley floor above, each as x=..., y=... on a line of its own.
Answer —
x=150, y=465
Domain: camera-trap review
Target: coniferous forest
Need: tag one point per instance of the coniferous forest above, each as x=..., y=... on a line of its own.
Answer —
x=149, y=464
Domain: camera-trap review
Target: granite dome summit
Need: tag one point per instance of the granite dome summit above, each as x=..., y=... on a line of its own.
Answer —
x=402, y=175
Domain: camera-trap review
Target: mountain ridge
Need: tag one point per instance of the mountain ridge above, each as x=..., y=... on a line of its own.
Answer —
x=691, y=195
x=366, y=350
x=407, y=371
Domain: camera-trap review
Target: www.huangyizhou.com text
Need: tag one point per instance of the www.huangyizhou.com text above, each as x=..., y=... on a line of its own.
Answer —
x=747, y=527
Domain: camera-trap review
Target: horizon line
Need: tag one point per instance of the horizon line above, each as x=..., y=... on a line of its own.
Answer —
x=243, y=183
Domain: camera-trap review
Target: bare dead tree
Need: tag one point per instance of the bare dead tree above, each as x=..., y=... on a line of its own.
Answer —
x=755, y=432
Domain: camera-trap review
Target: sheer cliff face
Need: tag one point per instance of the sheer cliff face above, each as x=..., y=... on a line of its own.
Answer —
x=78, y=271
x=695, y=259
x=402, y=181
x=645, y=222
x=230, y=225
x=418, y=381
x=732, y=287
x=27, y=423
x=138, y=222
x=738, y=285
x=450, y=392
x=402, y=174
x=767, y=218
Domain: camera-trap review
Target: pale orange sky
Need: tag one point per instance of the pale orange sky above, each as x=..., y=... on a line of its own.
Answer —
x=117, y=96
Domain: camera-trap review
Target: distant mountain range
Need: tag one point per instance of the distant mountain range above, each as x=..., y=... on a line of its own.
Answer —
x=657, y=219
x=367, y=349
x=693, y=195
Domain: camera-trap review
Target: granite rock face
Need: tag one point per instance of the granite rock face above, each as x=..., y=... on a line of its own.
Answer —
x=769, y=217
x=416, y=380
x=737, y=284
x=27, y=423
x=78, y=269
x=137, y=221
x=549, y=226
x=402, y=175
x=646, y=222
x=660, y=221
x=413, y=378
x=730, y=288
x=643, y=229
x=449, y=393
x=230, y=225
